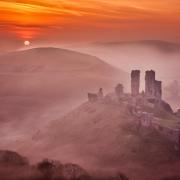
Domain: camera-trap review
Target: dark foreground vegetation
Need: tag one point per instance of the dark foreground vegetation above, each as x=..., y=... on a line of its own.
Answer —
x=15, y=167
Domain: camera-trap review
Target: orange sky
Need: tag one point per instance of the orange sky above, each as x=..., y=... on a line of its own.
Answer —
x=79, y=20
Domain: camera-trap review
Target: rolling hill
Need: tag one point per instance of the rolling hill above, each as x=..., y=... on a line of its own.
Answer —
x=51, y=74
x=38, y=85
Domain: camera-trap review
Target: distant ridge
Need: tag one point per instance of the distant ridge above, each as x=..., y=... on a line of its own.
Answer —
x=164, y=46
x=52, y=59
x=43, y=51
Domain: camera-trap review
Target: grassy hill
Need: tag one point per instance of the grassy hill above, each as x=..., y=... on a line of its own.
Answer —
x=42, y=84
x=102, y=137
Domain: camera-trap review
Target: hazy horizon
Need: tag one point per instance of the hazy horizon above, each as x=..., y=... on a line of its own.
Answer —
x=59, y=21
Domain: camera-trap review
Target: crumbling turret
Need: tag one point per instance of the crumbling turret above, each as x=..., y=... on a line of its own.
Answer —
x=100, y=93
x=119, y=90
x=93, y=97
x=153, y=88
x=150, y=84
x=135, y=82
x=158, y=90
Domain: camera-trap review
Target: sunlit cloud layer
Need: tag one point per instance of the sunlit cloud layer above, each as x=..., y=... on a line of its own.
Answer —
x=34, y=18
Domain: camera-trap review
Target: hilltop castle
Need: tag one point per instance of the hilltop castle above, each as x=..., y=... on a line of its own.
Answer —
x=153, y=88
x=150, y=98
x=147, y=107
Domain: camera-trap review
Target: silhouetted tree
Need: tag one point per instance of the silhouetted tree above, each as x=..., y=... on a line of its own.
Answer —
x=46, y=167
x=75, y=172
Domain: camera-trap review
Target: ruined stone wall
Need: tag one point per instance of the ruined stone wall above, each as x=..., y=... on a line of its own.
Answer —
x=172, y=134
x=158, y=89
x=147, y=120
x=135, y=82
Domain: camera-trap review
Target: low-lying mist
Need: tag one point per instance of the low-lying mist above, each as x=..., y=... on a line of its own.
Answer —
x=43, y=84
x=163, y=57
x=41, y=87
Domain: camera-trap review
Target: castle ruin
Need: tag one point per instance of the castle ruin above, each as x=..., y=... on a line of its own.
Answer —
x=93, y=97
x=153, y=88
x=158, y=89
x=119, y=90
x=143, y=106
x=135, y=82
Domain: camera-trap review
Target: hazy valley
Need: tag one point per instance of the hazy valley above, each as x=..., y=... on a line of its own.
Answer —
x=161, y=56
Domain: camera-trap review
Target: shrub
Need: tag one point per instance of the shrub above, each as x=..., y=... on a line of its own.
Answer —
x=50, y=169
x=12, y=158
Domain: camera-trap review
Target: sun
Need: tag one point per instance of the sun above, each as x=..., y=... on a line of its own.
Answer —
x=27, y=43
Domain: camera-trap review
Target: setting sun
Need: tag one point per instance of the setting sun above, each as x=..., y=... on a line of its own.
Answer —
x=26, y=43
x=35, y=19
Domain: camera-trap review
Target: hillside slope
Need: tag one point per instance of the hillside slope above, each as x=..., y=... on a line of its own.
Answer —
x=50, y=75
x=49, y=59
x=43, y=71
x=102, y=137
x=39, y=85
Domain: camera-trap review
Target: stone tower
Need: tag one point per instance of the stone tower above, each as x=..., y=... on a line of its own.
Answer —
x=158, y=90
x=150, y=84
x=153, y=88
x=135, y=82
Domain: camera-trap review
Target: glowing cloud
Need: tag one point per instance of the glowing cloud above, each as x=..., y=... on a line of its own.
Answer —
x=32, y=18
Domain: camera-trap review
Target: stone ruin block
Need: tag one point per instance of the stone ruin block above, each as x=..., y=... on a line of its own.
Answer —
x=156, y=125
x=92, y=97
x=146, y=119
x=100, y=93
x=173, y=134
x=119, y=90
